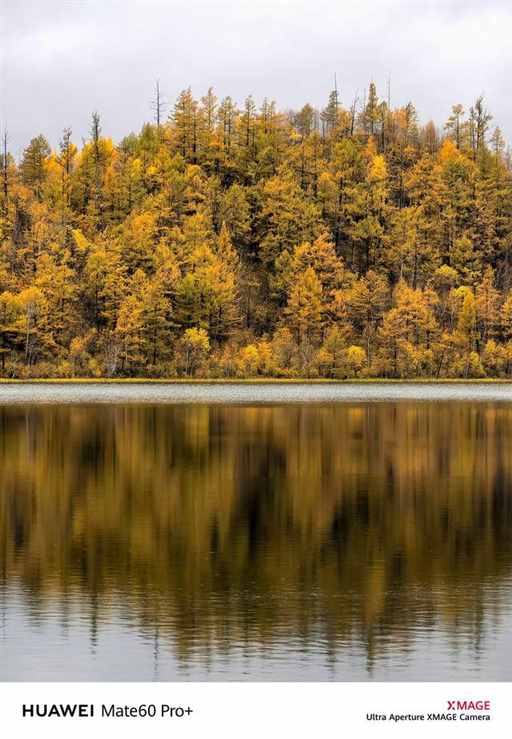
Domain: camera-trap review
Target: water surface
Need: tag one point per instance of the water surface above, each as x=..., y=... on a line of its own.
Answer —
x=251, y=393
x=257, y=536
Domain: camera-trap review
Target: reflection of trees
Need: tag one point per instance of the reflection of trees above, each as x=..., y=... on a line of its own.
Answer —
x=225, y=523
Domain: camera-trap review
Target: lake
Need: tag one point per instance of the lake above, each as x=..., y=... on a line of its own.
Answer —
x=256, y=532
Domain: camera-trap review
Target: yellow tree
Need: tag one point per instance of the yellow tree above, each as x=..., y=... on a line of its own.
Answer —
x=303, y=312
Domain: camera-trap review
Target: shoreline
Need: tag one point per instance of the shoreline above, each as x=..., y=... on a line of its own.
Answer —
x=253, y=381
x=211, y=392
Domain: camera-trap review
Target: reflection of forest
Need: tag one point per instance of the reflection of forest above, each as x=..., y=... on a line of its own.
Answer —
x=233, y=524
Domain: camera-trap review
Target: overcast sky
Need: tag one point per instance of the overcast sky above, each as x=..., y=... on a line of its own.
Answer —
x=66, y=58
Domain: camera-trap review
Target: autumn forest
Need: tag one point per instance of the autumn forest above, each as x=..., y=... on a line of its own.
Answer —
x=242, y=241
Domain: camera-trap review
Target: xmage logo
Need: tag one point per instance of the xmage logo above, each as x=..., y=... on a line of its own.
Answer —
x=479, y=705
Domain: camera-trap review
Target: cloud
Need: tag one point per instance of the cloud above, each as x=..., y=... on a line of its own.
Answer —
x=65, y=58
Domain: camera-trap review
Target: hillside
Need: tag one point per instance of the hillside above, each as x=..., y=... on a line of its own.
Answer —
x=224, y=242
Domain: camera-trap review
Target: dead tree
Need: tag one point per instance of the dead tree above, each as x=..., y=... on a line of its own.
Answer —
x=158, y=105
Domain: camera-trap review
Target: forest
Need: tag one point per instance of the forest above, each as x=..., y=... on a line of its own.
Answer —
x=227, y=241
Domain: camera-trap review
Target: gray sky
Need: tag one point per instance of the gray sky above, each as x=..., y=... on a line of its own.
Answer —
x=63, y=59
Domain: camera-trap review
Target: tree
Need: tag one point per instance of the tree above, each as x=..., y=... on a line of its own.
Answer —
x=286, y=218
x=187, y=119
x=407, y=334
x=455, y=126
x=487, y=301
x=206, y=297
x=195, y=346
x=479, y=119
x=5, y=174
x=10, y=335
x=371, y=113
x=305, y=120
x=368, y=231
x=159, y=105
x=332, y=356
x=304, y=307
x=329, y=115
x=143, y=323
x=227, y=116
x=33, y=164
x=466, y=321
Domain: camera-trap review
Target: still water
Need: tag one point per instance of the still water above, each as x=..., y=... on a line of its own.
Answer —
x=213, y=533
